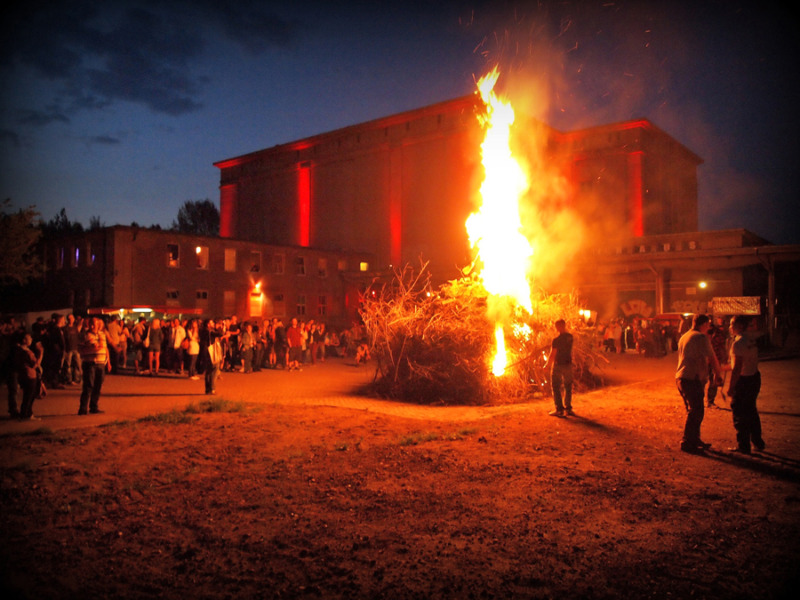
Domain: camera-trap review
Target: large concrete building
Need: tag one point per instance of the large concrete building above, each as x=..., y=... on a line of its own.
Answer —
x=403, y=186
x=400, y=188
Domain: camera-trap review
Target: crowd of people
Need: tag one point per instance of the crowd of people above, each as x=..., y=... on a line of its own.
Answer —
x=66, y=350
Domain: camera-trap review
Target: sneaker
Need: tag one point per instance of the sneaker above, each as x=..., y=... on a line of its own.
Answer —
x=32, y=418
x=82, y=411
x=570, y=412
x=691, y=449
x=739, y=450
x=556, y=413
x=703, y=445
x=759, y=444
x=97, y=411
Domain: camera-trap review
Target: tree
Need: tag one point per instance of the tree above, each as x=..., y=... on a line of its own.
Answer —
x=20, y=235
x=61, y=225
x=199, y=217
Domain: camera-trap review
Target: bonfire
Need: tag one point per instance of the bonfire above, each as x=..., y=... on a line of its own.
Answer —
x=437, y=345
x=483, y=338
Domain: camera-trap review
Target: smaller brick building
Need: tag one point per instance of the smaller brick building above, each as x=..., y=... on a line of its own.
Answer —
x=126, y=268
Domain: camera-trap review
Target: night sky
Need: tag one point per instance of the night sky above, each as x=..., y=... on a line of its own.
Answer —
x=118, y=110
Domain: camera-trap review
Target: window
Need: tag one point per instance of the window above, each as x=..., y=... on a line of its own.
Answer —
x=230, y=260
x=60, y=257
x=342, y=265
x=278, y=262
x=255, y=262
x=76, y=256
x=363, y=266
x=301, y=305
x=279, y=305
x=322, y=267
x=322, y=306
x=229, y=302
x=172, y=297
x=90, y=257
x=256, y=307
x=201, y=252
x=173, y=255
x=300, y=265
x=201, y=299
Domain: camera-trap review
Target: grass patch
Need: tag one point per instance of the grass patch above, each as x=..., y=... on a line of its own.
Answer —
x=174, y=417
x=187, y=415
x=217, y=405
x=421, y=437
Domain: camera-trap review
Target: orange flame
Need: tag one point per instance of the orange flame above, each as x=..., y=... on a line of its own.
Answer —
x=495, y=230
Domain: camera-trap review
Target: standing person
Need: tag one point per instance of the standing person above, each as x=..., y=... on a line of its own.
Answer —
x=745, y=385
x=11, y=336
x=694, y=356
x=94, y=356
x=281, y=345
x=719, y=342
x=72, y=358
x=138, y=335
x=211, y=338
x=26, y=364
x=155, y=337
x=294, y=340
x=193, y=335
x=178, y=336
x=616, y=333
x=247, y=343
x=560, y=361
x=112, y=335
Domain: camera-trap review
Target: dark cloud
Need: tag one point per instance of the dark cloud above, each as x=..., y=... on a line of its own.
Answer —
x=104, y=140
x=8, y=136
x=141, y=52
x=41, y=117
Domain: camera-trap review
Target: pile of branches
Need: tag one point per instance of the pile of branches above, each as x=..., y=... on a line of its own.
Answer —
x=435, y=346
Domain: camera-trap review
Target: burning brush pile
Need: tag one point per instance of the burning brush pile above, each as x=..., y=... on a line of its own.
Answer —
x=484, y=338
x=438, y=346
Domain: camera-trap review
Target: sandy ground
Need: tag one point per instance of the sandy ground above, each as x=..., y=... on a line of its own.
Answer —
x=298, y=487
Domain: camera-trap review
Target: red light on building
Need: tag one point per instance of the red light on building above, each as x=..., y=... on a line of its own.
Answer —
x=635, y=195
x=304, y=204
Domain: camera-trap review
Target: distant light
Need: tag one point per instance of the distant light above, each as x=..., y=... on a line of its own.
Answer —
x=141, y=310
x=703, y=285
x=198, y=250
x=364, y=266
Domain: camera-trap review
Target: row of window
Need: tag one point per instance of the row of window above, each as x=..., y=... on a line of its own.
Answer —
x=273, y=263
x=73, y=256
x=256, y=304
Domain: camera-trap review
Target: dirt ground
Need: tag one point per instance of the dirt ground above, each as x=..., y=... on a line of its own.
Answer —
x=374, y=499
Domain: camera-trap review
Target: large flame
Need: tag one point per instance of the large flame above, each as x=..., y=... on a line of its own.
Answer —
x=504, y=253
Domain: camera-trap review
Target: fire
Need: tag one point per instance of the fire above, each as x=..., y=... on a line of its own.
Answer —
x=495, y=230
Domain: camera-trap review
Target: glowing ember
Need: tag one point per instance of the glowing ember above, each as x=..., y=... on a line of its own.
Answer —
x=495, y=230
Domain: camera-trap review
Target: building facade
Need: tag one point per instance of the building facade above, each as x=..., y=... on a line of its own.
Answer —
x=132, y=269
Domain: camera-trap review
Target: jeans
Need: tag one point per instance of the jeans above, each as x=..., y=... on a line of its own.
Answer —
x=745, y=414
x=561, y=375
x=692, y=392
x=93, y=376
